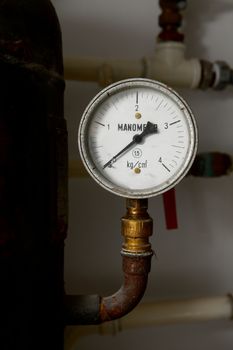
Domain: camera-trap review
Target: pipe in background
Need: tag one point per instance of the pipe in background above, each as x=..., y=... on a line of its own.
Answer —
x=168, y=65
x=157, y=313
x=211, y=164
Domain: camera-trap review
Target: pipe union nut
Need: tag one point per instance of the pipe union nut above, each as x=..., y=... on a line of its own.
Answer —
x=137, y=228
x=222, y=75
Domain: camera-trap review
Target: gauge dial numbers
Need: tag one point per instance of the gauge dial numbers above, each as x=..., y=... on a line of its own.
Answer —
x=137, y=138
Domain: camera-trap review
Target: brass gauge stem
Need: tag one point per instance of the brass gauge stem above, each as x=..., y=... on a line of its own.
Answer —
x=137, y=227
x=136, y=252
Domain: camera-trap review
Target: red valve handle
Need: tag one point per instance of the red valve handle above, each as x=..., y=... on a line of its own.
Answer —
x=169, y=203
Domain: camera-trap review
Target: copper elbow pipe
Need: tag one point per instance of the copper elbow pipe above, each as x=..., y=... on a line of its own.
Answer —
x=137, y=253
x=136, y=271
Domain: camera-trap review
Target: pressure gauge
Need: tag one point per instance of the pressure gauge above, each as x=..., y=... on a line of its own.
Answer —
x=137, y=138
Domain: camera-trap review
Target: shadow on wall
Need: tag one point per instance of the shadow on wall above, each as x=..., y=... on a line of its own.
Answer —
x=205, y=12
x=104, y=39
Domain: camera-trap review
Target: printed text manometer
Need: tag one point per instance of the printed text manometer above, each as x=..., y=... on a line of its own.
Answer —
x=137, y=138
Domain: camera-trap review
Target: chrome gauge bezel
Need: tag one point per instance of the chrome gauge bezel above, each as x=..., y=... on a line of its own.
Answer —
x=89, y=113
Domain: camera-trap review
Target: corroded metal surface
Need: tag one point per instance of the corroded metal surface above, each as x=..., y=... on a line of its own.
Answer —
x=136, y=254
x=137, y=227
x=136, y=271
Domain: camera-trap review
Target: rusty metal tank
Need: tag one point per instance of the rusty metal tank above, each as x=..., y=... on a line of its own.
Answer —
x=33, y=176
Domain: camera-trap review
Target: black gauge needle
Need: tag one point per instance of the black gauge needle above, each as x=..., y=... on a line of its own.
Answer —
x=138, y=138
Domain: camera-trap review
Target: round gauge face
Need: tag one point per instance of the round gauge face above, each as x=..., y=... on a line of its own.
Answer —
x=137, y=138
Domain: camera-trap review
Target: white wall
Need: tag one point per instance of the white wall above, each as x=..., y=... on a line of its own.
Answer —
x=197, y=258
